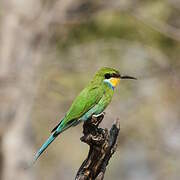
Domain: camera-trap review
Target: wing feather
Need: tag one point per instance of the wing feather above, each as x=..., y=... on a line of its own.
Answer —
x=88, y=98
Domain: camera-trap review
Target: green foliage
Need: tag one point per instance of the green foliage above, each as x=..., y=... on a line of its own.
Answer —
x=109, y=26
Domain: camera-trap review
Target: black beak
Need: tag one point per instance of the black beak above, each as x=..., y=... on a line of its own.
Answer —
x=127, y=77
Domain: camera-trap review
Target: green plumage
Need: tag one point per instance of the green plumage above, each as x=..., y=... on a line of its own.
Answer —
x=92, y=100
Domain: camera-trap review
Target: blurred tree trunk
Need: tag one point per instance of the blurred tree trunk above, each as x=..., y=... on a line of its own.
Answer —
x=25, y=34
x=19, y=61
x=1, y=159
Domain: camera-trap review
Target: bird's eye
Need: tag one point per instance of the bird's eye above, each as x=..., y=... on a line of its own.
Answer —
x=107, y=76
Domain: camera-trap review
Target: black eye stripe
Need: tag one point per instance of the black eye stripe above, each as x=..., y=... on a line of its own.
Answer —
x=108, y=76
x=115, y=75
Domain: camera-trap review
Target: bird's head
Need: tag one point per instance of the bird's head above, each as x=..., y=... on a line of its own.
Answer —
x=111, y=76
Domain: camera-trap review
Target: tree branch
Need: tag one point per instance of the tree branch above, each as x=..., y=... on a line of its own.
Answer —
x=102, y=146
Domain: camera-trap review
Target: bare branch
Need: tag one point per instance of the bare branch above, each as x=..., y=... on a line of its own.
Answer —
x=102, y=146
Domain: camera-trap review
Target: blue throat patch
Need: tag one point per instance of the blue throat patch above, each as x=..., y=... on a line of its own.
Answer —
x=109, y=84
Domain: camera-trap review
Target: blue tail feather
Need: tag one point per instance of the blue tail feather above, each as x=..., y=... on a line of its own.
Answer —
x=62, y=127
x=44, y=146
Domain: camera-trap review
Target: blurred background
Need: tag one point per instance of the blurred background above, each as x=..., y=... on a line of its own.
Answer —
x=50, y=49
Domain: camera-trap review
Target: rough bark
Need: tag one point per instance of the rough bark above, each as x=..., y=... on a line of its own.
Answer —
x=102, y=145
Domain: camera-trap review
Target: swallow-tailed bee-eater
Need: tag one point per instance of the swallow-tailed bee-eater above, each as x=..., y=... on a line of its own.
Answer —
x=92, y=100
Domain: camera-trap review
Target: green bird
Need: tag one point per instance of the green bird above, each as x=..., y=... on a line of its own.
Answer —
x=92, y=100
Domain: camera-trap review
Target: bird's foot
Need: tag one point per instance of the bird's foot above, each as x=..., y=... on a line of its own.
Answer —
x=97, y=118
x=98, y=115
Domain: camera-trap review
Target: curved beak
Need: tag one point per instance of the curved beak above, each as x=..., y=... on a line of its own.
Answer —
x=127, y=77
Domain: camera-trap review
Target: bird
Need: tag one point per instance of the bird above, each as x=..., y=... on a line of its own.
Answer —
x=92, y=100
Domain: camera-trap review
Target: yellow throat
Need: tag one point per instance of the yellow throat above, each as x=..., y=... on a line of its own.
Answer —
x=114, y=81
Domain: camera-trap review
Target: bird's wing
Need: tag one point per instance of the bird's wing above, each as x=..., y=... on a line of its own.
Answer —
x=87, y=99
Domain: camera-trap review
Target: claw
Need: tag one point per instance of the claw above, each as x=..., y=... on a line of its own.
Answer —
x=98, y=115
x=97, y=118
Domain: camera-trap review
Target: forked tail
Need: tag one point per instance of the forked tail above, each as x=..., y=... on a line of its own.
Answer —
x=62, y=126
x=45, y=145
